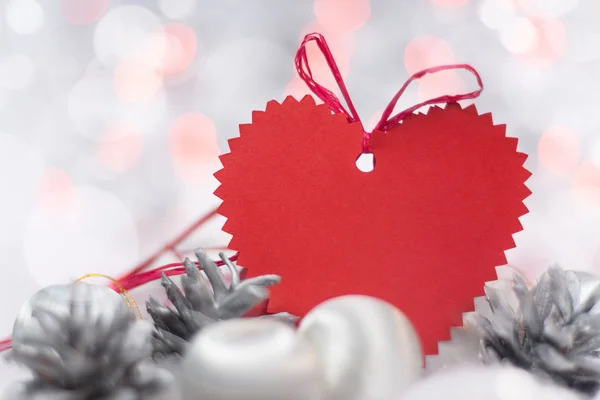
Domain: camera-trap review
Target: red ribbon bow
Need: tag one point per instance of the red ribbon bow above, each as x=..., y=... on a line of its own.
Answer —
x=387, y=121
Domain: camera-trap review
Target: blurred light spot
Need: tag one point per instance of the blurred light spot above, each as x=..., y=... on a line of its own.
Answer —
x=93, y=103
x=555, y=36
x=426, y=51
x=551, y=41
x=180, y=47
x=120, y=148
x=90, y=102
x=193, y=137
x=450, y=3
x=497, y=14
x=531, y=83
x=56, y=190
x=230, y=75
x=523, y=5
x=440, y=84
x=86, y=12
x=342, y=16
x=547, y=8
x=177, y=9
x=193, y=145
x=25, y=17
x=558, y=150
x=586, y=184
x=94, y=234
x=137, y=79
x=22, y=169
x=16, y=72
x=519, y=36
x=123, y=31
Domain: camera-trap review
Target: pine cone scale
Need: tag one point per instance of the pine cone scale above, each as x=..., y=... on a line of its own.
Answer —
x=205, y=298
x=551, y=330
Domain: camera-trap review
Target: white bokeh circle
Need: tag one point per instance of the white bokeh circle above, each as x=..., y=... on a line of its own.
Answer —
x=549, y=8
x=519, y=35
x=93, y=104
x=123, y=31
x=495, y=14
x=94, y=233
x=584, y=35
x=23, y=168
x=258, y=66
x=24, y=17
x=16, y=72
x=177, y=9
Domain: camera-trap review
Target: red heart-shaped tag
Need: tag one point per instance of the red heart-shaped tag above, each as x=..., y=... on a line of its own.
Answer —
x=423, y=231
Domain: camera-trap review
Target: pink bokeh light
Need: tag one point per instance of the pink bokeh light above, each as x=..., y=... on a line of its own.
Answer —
x=586, y=184
x=84, y=12
x=180, y=47
x=120, y=148
x=56, y=190
x=193, y=146
x=558, y=150
x=425, y=52
x=450, y=3
x=342, y=16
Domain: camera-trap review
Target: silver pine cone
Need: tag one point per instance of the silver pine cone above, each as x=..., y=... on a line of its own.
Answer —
x=206, y=298
x=83, y=342
x=552, y=330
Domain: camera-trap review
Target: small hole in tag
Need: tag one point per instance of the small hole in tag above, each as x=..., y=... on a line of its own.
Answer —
x=365, y=162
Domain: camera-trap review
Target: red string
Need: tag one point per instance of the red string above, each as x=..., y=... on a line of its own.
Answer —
x=5, y=344
x=328, y=97
x=170, y=247
x=138, y=277
x=172, y=269
x=386, y=121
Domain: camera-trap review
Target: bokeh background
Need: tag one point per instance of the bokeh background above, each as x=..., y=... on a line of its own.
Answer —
x=113, y=114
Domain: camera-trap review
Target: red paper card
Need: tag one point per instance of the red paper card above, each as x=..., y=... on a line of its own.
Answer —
x=423, y=231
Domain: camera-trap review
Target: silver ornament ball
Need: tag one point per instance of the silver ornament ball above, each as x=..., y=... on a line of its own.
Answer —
x=250, y=359
x=368, y=349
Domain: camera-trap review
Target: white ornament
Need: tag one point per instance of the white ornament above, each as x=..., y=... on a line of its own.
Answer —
x=486, y=383
x=250, y=359
x=368, y=349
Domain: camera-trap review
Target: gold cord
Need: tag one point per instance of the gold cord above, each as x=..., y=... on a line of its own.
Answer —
x=127, y=296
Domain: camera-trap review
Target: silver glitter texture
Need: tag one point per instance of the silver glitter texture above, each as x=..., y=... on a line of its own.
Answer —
x=552, y=330
x=206, y=298
x=83, y=342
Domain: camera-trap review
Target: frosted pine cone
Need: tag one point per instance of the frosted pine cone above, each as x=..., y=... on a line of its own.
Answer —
x=205, y=300
x=82, y=342
x=552, y=330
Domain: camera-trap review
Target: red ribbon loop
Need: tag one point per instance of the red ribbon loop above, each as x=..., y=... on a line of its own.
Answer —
x=387, y=121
